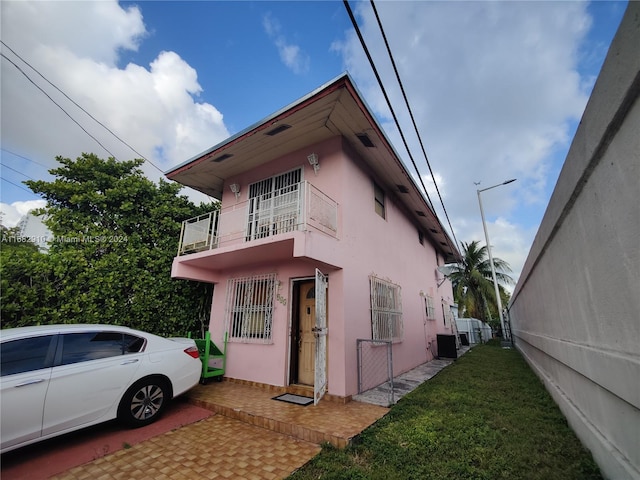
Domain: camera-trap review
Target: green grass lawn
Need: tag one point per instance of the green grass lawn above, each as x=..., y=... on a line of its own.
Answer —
x=486, y=416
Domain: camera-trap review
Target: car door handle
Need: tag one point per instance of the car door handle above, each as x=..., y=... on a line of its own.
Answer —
x=129, y=361
x=30, y=382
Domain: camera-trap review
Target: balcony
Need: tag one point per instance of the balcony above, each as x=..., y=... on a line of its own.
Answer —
x=297, y=207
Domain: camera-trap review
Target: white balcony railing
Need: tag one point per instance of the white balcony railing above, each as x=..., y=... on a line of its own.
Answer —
x=300, y=206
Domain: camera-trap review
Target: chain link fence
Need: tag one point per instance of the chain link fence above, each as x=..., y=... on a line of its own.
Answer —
x=375, y=365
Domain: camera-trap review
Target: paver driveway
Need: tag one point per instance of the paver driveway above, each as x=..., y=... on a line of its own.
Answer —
x=217, y=447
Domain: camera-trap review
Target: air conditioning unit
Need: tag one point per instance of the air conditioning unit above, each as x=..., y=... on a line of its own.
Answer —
x=447, y=346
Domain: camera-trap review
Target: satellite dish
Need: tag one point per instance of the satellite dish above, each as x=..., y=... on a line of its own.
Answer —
x=446, y=269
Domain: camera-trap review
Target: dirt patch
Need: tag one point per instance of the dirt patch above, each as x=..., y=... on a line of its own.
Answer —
x=50, y=457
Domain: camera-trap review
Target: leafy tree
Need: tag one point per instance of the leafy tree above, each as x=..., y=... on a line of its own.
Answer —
x=24, y=280
x=115, y=236
x=472, y=282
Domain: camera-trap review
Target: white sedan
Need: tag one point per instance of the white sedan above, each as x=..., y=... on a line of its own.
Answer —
x=59, y=378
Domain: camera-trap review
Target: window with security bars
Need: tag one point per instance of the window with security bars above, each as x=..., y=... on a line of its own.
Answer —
x=386, y=310
x=429, y=308
x=274, y=205
x=249, y=308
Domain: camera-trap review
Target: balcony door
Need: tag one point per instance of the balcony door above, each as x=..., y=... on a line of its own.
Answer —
x=274, y=205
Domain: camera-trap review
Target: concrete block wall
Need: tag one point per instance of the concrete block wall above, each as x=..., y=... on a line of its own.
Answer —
x=575, y=312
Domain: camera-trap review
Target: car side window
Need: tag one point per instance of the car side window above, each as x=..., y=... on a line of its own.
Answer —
x=82, y=347
x=133, y=344
x=27, y=355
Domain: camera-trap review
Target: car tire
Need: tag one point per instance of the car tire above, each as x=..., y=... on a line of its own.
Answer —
x=144, y=402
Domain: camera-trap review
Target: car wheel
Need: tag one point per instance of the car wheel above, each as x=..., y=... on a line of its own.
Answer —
x=144, y=402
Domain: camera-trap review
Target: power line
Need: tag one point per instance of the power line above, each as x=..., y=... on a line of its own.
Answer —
x=56, y=103
x=413, y=121
x=16, y=185
x=17, y=171
x=25, y=158
x=80, y=107
x=384, y=92
x=395, y=118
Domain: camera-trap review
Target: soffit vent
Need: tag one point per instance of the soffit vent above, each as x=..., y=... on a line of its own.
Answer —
x=402, y=189
x=278, y=129
x=365, y=140
x=222, y=158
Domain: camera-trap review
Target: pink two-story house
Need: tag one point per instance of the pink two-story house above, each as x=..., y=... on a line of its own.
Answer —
x=322, y=238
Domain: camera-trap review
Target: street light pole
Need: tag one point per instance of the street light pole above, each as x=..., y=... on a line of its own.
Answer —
x=493, y=268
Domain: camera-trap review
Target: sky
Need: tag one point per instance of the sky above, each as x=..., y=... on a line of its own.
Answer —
x=497, y=89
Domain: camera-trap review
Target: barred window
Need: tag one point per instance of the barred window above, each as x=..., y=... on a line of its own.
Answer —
x=249, y=308
x=386, y=310
x=274, y=205
x=430, y=310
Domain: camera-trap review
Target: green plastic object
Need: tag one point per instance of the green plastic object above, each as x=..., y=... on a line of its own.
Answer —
x=213, y=359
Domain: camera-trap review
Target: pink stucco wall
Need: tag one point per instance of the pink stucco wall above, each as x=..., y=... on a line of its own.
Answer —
x=366, y=245
x=390, y=249
x=329, y=153
x=263, y=363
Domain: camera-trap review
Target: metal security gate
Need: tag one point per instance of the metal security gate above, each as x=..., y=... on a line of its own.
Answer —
x=274, y=205
x=320, y=331
x=375, y=366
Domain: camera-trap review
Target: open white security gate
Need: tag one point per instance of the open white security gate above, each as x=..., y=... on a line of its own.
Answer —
x=320, y=331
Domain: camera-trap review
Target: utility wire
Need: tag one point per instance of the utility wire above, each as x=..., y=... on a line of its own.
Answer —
x=384, y=92
x=413, y=121
x=17, y=171
x=56, y=103
x=25, y=158
x=16, y=185
x=375, y=71
x=61, y=108
x=77, y=105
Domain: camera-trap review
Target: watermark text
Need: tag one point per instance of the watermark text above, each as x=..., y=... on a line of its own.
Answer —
x=39, y=239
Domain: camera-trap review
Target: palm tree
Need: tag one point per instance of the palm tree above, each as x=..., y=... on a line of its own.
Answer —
x=472, y=282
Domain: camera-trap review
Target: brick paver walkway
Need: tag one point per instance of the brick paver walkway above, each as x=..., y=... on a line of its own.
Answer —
x=217, y=447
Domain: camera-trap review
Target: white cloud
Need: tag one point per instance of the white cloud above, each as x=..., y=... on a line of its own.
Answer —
x=76, y=45
x=291, y=55
x=11, y=214
x=494, y=89
x=430, y=185
x=96, y=30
